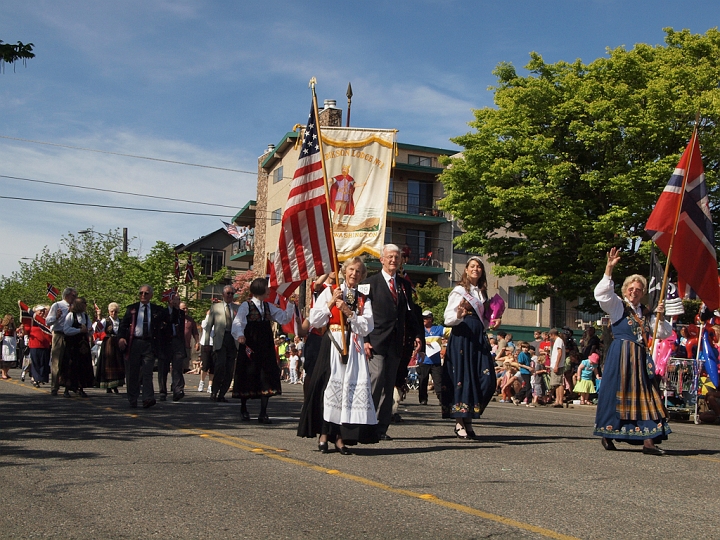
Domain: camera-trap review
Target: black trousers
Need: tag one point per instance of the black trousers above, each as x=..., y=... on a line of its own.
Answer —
x=424, y=371
x=526, y=389
x=174, y=355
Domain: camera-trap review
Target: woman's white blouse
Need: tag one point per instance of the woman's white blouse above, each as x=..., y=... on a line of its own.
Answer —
x=456, y=296
x=614, y=306
x=360, y=323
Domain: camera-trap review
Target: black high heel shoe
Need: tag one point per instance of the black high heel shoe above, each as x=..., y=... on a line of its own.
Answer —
x=323, y=447
x=344, y=450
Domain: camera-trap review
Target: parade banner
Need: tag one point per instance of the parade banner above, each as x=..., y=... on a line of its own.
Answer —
x=358, y=163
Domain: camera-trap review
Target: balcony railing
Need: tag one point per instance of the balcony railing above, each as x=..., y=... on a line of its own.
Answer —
x=417, y=205
x=434, y=258
x=246, y=243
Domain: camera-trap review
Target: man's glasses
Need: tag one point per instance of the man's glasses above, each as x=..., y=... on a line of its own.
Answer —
x=142, y=293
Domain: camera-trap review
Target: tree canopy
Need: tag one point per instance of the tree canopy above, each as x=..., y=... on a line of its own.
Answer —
x=573, y=157
x=101, y=272
x=10, y=53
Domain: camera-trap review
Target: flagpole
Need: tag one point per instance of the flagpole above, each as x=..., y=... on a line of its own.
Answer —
x=663, y=289
x=312, y=83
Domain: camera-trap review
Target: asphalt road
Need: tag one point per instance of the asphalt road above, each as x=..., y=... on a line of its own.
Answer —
x=93, y=468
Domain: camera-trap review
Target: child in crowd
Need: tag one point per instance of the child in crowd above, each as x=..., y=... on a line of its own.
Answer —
x=508, y=383
x=538, y=378
x=585, y=372
x=293, y=361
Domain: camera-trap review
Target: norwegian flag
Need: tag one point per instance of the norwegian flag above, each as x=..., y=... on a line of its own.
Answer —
x=177, y=266
x=305, y=244
x=52, y=292
x=189, y=271
x=293, y=327
x=168, y=294
x=693, y=255
x=29, y=319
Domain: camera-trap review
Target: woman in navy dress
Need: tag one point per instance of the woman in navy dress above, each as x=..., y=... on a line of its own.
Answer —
x=468, y=382
x=630, y=406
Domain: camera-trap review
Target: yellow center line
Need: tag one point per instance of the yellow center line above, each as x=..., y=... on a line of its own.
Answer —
x=276, y=453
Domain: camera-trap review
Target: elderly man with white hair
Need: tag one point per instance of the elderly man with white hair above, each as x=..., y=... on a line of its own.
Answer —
x=393, y=311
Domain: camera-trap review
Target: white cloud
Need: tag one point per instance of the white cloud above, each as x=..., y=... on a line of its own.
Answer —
x=38, y=224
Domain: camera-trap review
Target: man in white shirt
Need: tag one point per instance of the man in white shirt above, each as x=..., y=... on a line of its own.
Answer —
x=557, y=367
x=55, y=321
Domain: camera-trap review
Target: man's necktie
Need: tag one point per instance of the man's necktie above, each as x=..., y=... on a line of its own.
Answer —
x=393, y=291
x=146, y=322
x=228, y=316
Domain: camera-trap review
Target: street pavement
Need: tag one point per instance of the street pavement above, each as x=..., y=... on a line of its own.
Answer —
x=94, y=468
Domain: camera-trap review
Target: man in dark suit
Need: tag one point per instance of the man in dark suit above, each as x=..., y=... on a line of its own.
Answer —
x=139, y=335
x=393, y=314
x=172, y=352
x=219, y=320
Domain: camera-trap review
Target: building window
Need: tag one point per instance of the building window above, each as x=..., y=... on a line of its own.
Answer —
x=517, y=300
x=388, y=234
x=419, y=244
x=419, y=197
x=586, y=316
x=212, y=292
x=423, y=161
x=278, y=175
x=391, y=193
x=212, y=261
x=276, y=216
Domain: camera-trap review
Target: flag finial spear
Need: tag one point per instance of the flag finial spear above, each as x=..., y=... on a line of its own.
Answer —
x=312, y=83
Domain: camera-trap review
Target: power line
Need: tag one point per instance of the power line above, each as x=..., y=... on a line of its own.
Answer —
x=157, y=210
x=115, y=191
x=129, y=155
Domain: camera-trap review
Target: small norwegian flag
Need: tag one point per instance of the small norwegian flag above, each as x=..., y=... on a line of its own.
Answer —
x=52, y=292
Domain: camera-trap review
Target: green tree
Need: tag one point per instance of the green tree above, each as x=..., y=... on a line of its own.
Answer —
x=574, y=156
x=12, y=53
x=101, y=272
x=433, y=297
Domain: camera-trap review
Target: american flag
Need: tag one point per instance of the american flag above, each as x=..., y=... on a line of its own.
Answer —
x=52, y=292
x=177, y=266
x=231, y=229
x=693, y=255
x=189, y=271
x=305, y=244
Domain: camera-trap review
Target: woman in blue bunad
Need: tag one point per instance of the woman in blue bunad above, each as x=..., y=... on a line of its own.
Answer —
x=630, y=407
x=338, y=404
x=469, y=381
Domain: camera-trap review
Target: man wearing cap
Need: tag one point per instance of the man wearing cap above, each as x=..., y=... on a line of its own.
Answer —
x=430, y=364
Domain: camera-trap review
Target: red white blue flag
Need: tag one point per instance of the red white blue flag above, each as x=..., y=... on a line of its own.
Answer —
x=305, y=244
x=189, y=270
x=693, y=255
x=52, y=292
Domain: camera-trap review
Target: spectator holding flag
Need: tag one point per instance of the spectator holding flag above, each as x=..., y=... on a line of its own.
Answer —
x=630, y=407
x=258, y=374
x=40, y=339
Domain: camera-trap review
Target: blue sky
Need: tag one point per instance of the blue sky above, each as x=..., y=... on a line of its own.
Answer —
x=214, y=83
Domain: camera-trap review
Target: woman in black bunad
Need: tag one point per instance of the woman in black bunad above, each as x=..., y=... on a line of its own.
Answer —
x=76, y=372
x=258, y=373
x=630, y=407
x=111, y=365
